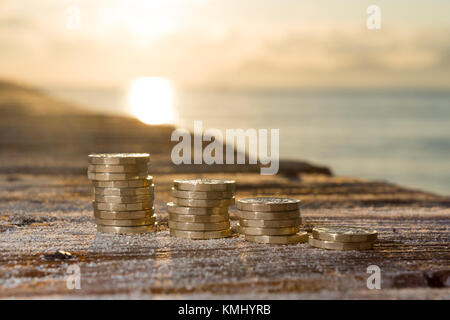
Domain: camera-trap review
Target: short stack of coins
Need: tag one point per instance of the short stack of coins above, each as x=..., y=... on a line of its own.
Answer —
x=199, y=209
x=123, y=192
x=342, y=238
x=270, y=220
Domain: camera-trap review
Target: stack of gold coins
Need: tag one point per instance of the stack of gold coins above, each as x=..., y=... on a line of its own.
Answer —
x=199, y=209
x=270, y=220
x=123, y=192
x=342, y=238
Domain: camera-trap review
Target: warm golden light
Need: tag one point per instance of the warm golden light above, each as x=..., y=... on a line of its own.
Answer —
x=148, y=18
x=151, y=100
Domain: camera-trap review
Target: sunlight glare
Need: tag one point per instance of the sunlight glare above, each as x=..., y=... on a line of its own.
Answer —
x=151, y=100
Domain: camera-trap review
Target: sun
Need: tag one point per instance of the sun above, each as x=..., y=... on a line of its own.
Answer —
x=150, y=100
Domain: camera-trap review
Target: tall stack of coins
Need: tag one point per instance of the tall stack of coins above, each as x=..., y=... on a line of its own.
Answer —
x=123, y=192
x=199, y=209
x=270, y=220
x=342, y=238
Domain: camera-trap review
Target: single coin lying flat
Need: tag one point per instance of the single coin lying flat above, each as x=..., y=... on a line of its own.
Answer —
x=116, y=176
x=203, y=203
x=123, y=199
x=189, y=226
x=173, y=208
x=199, y=218
x=119, y=215
x=147, y=181
x=268, y=231
x=332, y=245
x=125, y=230
x=259, y=215
x=200, y=235
x=202, y=195
x=126, y=222
x=300, y=237
x=344, y=234
x=122, y=206
x=124, y=168
x=270, y=223
x=204, y=184
x=268, y=204
x=118, y=158
x=124, y=191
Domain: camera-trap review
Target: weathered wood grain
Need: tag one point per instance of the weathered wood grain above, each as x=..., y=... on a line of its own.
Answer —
x=46, y=213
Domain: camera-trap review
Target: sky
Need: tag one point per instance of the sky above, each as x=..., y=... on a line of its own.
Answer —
x=273, y=44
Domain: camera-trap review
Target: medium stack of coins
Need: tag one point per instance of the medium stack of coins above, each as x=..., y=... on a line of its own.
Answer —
x=123, y=192
x=199, y=209
x=342, y=238
x=270, y=220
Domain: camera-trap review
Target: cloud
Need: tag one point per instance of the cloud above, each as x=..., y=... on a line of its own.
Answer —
x=387, y=58
x=249, y=52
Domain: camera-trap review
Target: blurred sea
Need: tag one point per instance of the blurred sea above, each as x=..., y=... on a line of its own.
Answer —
x=402, y=137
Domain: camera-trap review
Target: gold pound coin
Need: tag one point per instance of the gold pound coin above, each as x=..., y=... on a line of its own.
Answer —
x=198, y=211
x=124, y=191
x=190, y=226
x=122, y=206
x=116, y=176
x=331, y=245
x=268, y=231
x=203, y=203
x=124, y=183
x=123, y=199
x=200, y=235
x=279, y=215
x=268, y=204
x=204, y=185
x=198, y=218
x=300, y=237
x=202, y=195
x=118, y=158
x=270, y=223
x=125, y=230
x=124, y=168
x=119, y=215
x=344, y=234
x=126, y=222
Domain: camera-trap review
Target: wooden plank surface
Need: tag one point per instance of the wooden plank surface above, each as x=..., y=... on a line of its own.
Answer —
x=42, y=214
